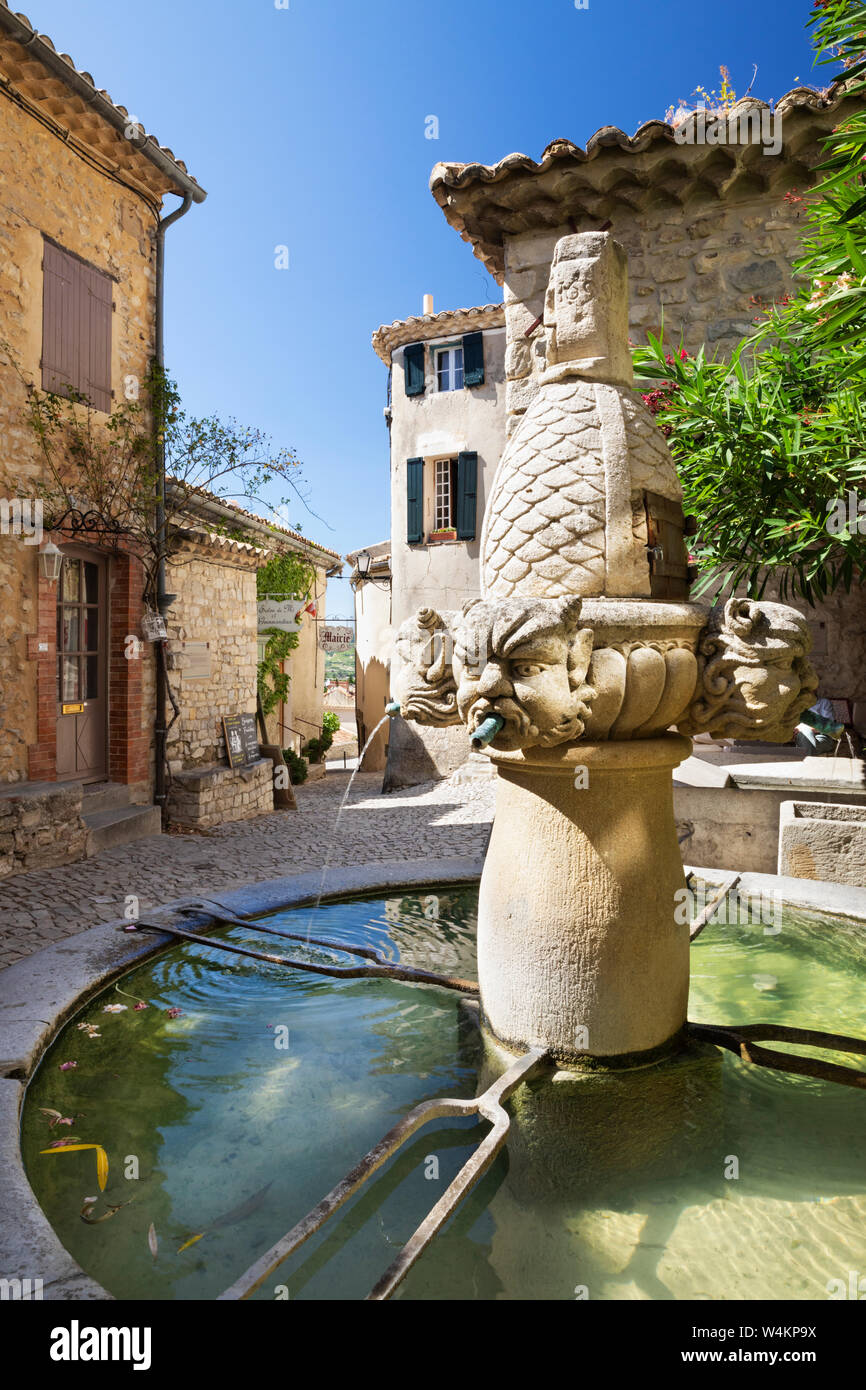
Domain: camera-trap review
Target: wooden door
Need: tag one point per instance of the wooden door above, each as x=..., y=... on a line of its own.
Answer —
x=666, y=548
x=82, y=648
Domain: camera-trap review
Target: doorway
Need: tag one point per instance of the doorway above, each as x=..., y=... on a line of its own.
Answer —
x=82, y=667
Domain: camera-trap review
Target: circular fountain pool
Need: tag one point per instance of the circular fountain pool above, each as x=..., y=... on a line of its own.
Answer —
x=229, y=1096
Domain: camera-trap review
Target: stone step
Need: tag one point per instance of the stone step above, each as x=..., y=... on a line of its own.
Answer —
x=121, y=826
x=103, y=796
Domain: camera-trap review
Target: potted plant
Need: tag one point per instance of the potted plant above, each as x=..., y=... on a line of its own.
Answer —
x=444, y=533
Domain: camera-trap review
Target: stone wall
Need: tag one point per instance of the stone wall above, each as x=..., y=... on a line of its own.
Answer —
x=40, y=827
x=207, y=796
x=704, y=276
x=215, y=583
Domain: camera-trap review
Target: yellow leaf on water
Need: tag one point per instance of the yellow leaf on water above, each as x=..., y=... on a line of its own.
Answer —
x=101, y=1159
x=188, y=1243
x=69, y=1149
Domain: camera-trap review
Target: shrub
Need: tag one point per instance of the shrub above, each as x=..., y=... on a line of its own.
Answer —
x=297, y=766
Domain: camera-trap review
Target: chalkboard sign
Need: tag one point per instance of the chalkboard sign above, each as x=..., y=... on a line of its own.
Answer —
x=242, y=740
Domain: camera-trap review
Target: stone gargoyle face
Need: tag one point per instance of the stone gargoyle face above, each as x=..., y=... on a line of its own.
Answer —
x=525, y=660
x=422, y=680
x=756, y=678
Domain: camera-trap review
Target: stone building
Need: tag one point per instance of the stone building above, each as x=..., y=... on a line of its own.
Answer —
x=373, y=633
x=446, y=417
x=79, y=232
x=711, y=231
x=213, y=656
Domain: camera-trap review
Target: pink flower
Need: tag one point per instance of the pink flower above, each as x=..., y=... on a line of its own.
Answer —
x=174, y=1013
x=67, y=1066
x=139, y=1006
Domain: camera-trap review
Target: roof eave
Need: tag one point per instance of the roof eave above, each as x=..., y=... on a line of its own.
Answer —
x=56, y=63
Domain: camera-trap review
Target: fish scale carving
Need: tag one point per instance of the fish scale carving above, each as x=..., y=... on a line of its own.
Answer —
x=544, y=527
x=544, y=530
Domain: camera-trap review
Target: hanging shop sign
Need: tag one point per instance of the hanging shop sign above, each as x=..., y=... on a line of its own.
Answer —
x=336, y=639
x=242, y=740
x=279, y=613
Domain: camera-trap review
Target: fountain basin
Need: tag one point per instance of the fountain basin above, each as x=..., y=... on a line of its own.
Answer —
x=628, y=1230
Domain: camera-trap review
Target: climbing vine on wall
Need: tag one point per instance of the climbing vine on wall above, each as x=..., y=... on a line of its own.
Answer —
x=287, y=575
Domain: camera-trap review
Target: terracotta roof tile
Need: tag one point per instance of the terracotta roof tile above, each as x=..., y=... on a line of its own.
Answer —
x=31, y=63
x=412, y=330
x=487, y=202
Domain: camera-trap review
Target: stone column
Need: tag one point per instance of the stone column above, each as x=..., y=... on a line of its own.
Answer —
x=578, y=947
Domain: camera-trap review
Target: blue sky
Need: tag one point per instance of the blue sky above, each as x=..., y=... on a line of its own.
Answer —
x=306, y=125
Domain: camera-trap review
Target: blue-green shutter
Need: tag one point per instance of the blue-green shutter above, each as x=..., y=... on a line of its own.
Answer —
x=473, y=359
x=467, y=491
x=414, y=500
x=413, y=366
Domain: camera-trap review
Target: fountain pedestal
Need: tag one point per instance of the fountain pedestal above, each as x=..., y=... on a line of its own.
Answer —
x=579, y=949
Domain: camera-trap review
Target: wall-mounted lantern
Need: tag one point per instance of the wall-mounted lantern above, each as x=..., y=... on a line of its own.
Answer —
x=363, y=561
x=50, y=562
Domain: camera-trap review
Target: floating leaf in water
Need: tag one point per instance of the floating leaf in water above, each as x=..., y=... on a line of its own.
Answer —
x=101, y=1158
x=90, y=1029
x=114, y=1008
x=106, y=1215
x=236, y=1214
x=174, y=1013
x=64, y=1143
x=55, y=1114
x=152, y=1242
x=137, y=1008
x=67, y=1066
x=188, y=1243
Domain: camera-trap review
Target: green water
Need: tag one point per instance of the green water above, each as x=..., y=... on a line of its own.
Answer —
x=233, y=1118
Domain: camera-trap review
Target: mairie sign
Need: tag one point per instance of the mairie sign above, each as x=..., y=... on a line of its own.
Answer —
x=279, y=613
x=335, y=639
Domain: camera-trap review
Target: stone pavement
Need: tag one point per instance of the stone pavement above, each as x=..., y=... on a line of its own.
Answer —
x=439, y=819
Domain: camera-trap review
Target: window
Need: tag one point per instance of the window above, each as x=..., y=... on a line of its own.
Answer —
x=449, y=368
x=441, y=495
x=76, y=327
x=444, y=493
x=78, y=632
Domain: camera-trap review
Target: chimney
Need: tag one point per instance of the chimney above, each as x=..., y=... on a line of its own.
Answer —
x=428, y=304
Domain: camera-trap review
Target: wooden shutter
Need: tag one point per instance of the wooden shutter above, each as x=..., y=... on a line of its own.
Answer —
x=666, y=549
x=413, y=366
x=414, y=501
x=473, y=359
x=467, y=489
x=76, y=327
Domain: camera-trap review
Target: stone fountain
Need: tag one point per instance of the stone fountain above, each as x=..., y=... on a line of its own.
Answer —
x=582, y=671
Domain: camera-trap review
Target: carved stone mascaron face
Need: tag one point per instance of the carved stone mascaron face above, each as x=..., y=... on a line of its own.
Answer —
x=525, y=661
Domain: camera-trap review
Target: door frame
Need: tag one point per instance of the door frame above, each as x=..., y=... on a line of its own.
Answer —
x=92, y=556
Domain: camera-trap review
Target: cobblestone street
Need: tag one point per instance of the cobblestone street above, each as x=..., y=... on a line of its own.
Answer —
x=441, y=819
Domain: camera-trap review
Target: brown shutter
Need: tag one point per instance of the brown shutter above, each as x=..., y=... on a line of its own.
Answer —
x=76, y=327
